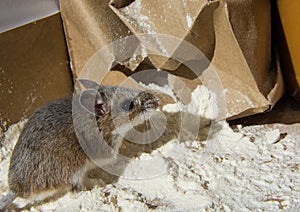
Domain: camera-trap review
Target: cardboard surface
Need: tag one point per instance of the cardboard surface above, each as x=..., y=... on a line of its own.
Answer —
x=89, y=26
x=289, y=43
x=234, y=35
x=33, y=68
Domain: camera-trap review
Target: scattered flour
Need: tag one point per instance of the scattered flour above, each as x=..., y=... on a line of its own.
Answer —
x=134, y=15
x=10, y=137
x=188, y=18
x=252, y=168
x=203, y=103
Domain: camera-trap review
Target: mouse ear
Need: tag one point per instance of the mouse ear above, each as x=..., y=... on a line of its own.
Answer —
x=88, y=84
x=100, y=105
x=93, y=102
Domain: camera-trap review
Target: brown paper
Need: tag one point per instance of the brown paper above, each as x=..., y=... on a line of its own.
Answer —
x=234, y=35
x=34, y=68
x=89, y=26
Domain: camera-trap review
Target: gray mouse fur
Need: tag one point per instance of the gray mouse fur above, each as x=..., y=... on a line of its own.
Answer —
x=48, y=156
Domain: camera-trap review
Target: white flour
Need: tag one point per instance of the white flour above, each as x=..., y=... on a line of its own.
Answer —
x=254, y=168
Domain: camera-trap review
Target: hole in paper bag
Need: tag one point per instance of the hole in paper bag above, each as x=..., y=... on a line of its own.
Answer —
x=120, y=3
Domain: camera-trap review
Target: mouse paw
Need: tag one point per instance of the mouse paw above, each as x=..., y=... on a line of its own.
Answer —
x=78, y=188
x=89, y=183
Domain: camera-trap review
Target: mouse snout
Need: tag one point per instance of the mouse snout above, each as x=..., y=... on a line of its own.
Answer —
x=150, y=104
x=156, y=103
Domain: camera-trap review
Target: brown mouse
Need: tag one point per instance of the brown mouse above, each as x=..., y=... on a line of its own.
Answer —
x=48, y=155
x=56, y=148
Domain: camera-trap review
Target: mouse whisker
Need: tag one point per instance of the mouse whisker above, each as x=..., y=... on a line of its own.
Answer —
x=155, y=128
x=145, y=135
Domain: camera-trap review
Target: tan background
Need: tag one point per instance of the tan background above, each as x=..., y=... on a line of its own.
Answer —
x=34, y=68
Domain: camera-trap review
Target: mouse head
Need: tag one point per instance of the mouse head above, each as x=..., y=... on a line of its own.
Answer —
x=121, y=101
x=117, y=101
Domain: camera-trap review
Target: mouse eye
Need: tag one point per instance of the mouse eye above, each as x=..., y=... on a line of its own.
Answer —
x=128, y=105
x=131, y=105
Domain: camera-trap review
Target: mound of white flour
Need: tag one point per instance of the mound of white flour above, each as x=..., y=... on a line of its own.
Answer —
x=254, y=168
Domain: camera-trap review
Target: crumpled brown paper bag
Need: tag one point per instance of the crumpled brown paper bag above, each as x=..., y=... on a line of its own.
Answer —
x=234, y=35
